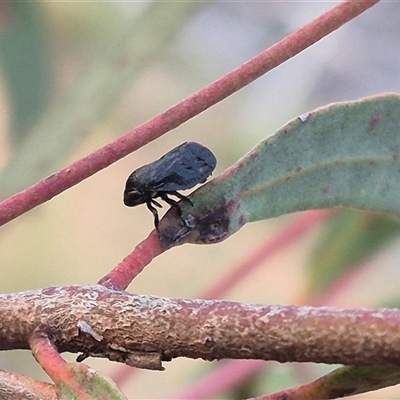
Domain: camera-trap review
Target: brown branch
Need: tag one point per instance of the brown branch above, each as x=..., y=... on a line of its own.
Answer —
x=97, y=321
x=232, y=82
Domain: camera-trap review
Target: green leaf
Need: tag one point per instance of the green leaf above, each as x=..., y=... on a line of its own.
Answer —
x=349, y=381
x=345, y=154
x=347, y=238
x=90, y=384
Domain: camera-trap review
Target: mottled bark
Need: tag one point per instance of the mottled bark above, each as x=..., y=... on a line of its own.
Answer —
x=144, y=330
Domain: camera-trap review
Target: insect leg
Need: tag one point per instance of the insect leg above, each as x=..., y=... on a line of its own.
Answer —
x=153, y=211
x=156, y=203
x=174, y=203
x=171, y=202
x=181, y=197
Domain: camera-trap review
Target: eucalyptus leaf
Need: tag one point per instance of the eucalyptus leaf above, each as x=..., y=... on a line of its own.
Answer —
x=342, y=155
x=349, y=381
x=90, y=384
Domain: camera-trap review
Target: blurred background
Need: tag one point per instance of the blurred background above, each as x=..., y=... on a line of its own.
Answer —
x=77, y=75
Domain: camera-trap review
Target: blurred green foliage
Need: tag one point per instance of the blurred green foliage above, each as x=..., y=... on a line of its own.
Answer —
x=348, y=238
x=91, y=98
x=25, y=63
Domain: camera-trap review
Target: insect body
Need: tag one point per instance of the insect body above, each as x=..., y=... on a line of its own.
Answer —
x=181, y=168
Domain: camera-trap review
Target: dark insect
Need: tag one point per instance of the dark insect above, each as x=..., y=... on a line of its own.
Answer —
x=181, y=168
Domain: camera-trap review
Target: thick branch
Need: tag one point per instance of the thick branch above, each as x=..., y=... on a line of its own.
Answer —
x=101, y=322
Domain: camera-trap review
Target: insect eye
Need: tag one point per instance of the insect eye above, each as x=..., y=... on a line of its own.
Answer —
x=133, y=197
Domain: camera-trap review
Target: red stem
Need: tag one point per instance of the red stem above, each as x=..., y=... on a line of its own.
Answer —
x=131, y=266
x=55, y=366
